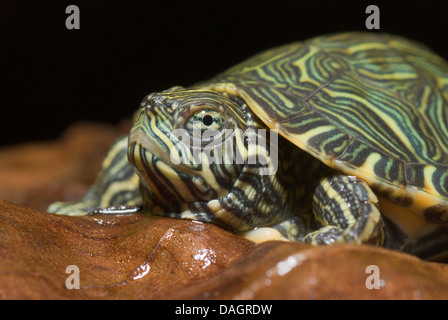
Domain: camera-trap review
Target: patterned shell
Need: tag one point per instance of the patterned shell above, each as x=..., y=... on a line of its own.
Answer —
x=371, y=105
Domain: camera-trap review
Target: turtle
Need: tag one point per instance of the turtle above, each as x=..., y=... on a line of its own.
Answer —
x=342, y=138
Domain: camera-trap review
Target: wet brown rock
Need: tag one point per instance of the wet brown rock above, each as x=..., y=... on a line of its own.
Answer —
x=140, y=257
x=280, y=270
x=128, y=257
x=37, y=174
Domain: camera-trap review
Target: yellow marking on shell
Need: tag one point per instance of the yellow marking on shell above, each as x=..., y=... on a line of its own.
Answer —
x=303, y=140
x=366, y=47
x=426, y=93
x=368, y=166
x=267, y=77
x=301, y=65
x=426, y=96
x=287, y=102
x=442, y=82
x=268, y=59
x=389, y=120
x=388, y=76
x=428, y=172
x=314, y=132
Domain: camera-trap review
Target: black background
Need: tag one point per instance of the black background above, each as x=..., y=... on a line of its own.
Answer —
x=52, y=77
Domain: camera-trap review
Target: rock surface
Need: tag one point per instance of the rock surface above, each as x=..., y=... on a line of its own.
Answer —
x=37, y=174
x=140, y=257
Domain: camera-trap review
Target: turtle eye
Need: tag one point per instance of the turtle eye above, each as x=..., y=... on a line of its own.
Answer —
x=205, y=119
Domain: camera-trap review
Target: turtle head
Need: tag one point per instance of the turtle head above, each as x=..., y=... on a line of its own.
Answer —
x=198, y=156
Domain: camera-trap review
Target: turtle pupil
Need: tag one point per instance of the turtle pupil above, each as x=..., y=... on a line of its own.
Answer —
x=207, y=120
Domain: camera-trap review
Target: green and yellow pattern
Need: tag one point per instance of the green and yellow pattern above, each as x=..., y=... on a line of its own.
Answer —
x=363, y=119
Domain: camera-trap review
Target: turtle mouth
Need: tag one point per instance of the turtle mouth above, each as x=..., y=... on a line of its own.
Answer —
x=138, y=137
x=167, y=183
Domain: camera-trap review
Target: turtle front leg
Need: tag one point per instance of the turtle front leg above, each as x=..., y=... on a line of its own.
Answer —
x=115, y=190
x=347, y=211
